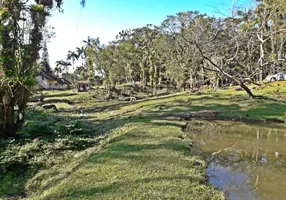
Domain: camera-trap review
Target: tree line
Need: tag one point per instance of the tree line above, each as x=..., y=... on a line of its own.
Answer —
x=191, y=49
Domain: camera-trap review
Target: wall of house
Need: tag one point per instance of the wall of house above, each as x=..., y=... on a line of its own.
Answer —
x=43, y=82
x=65, y=86
x=49, y=85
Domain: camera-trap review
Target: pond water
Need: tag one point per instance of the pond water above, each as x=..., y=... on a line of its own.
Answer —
x=246, y=161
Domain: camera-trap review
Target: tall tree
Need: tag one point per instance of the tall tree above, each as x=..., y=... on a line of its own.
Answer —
x=73, y=56
x=45, y=61
x=81, y=52
x=21, y=34
x=18, y=58
x=217, y=44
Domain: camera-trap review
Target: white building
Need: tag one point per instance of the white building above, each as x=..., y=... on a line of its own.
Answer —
x=281, y=76
x=51, y=82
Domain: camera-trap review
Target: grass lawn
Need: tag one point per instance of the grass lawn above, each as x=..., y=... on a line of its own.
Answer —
x=141, y=161
x=140, y=155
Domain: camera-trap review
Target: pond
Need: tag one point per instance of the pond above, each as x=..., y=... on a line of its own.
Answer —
x=246, y=161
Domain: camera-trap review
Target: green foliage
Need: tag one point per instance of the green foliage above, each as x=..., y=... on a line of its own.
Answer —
x=19, y=156
x=37, y=8
x=39, y=123
x=73, y=128
x=4, y=13
x=19, y=57
x=13, y=184
x=190, y=50
x=55, y=137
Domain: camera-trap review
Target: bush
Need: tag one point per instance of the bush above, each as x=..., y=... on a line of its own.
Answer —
x=18, y=157
x=39, y=123
x=72, y=128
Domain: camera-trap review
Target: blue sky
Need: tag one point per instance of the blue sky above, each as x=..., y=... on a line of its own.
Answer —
x=105, y=18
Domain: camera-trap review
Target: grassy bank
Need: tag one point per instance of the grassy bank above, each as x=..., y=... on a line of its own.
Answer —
x=143, y=160
x=120, y=149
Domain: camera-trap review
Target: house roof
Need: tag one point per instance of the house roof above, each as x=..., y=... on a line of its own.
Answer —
x=48, y=76
x=64, y=81
x=52, y=77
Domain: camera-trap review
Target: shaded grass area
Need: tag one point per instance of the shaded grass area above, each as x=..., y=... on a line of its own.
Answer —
x=13, y=185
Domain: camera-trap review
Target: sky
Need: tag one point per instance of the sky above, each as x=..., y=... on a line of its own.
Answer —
x=106, y=18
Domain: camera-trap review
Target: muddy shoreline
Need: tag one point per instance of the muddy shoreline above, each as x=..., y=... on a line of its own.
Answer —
x=212, y=115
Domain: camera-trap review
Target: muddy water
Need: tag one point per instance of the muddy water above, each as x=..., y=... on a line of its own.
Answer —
x=246, y=161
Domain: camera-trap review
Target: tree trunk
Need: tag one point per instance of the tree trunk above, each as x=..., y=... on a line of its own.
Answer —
x=261, y=62
x=10, y=129
x=2, y=122
x=273, y=50
x=224, y=73
x=191, y=82
x=22, y=105
x=9, y=125
x=167, y=85
x=247, y=90
x=147, y=80
x=156, y=79
x=279, y=54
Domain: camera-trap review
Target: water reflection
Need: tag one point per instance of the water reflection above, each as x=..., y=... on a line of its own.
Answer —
x=246, y=161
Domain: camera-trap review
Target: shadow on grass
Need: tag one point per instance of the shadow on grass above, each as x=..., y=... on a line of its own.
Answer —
x=117, y=150
x=271, y=99
x=58, y=95
x=37, y=96
x=12, y=186
x=268, y=112
x=116, y=186
x=111, y=106
x=67, y=101
x=115, y=105
x=230, y=111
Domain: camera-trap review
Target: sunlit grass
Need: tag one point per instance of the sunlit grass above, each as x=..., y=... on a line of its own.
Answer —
x=142, y=161
x=232, y=104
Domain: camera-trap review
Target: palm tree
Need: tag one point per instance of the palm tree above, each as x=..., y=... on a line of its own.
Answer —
x=61, y=66
x=58, y=70
x=92, y=42
x=72, y=56
x=81, y=52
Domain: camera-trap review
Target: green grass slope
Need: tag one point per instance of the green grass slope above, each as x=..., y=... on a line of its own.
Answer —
x=141, y=161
